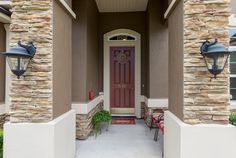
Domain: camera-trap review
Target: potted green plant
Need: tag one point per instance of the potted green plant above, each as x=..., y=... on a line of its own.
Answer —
x=99, y=119
x=232, y=119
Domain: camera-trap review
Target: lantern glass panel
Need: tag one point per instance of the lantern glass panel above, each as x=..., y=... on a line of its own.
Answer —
x=209, y=62
x=222, y=58
x=18, y=63
x=216, y=61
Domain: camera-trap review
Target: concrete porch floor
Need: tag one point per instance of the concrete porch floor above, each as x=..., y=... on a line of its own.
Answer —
x=126, y=141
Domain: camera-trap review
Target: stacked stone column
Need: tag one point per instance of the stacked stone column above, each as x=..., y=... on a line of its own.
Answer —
x=31, y=95
x=206, y=100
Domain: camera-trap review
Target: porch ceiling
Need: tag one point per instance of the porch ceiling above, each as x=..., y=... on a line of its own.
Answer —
x=121, y=5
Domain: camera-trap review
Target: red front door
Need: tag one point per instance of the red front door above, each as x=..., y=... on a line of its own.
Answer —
x=122, y=77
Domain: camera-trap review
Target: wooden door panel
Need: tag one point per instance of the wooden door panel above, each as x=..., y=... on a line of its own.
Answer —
x=122, y=77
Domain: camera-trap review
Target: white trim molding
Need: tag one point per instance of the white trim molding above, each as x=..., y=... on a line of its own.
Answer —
x=232, y=105
x=143, y=98
x=5, y=19
x=121, y=34
x=155, y=102
x=197, y=141
x=85, y=108
x=232, y=48
x=5, y=3
x=8, y=72
x=2, y=109
x=67, y=8
x=170, y=8
x=5, y=107
x=232, y=20
x=106, y=69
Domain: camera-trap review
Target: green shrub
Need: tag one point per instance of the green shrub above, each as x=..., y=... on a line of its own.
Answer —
x=232, y=119
x=1, y=143
x=100, y=117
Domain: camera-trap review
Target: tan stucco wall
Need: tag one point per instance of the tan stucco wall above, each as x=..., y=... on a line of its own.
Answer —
x=85, y=50
x=233, y=6
x=158, y=50
x=79, y=51
x=87, y=70
x=2, y=63
x=62, y=64
x=175, y=23
x=92, y=48
x=132, y=20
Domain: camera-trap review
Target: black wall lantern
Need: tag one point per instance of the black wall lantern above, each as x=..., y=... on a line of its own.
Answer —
x=18, y=57
x=215, y=56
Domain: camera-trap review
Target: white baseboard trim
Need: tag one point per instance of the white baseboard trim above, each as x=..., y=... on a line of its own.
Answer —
x=54, y=139
x=155, y=102
x=85, y=108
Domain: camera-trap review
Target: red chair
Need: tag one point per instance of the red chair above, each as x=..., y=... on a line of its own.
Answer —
x=159, y=123
x=154, y=117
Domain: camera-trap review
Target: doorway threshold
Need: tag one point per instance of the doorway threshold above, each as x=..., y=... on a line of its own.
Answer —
x=123, y=115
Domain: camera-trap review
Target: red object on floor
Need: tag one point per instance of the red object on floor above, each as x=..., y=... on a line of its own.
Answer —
x=123, y=121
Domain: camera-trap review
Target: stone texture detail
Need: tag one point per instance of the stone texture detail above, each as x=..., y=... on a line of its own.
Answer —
x=3, y=119
x=148, y=112
x=143, y=109
x=206, y=100
x=31, y=95
x=84, y=124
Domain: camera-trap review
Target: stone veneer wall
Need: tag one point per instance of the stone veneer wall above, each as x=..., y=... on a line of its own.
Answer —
x=143, y=109
x=3, y=119
x=31, y=95
x=206, y=100
x=84, y=124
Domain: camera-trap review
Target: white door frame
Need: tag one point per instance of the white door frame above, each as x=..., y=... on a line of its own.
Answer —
x=106, y=68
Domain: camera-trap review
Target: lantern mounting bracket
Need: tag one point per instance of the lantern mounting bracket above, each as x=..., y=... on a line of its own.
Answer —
x=31, y=49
